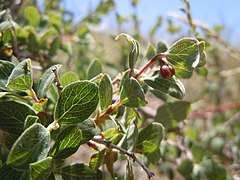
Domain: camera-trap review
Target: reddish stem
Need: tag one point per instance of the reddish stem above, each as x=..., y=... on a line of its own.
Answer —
x=110, y=110
x=149, y=63
x=33, y=94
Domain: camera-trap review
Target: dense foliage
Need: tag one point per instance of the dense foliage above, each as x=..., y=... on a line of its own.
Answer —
x=62, y=102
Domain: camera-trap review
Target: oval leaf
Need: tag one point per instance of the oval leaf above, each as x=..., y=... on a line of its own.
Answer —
x=94, y=69
x=80, y=171
x=67, y=142
x=172, y=112
x=32, y=146
x=89, y=130
x=13, y=115
x=105, y=92
x=171, y=86
x=68, y=78
x=76, y=102
x=97, y=160
x=46, y=80
x=149, y=138
x=41, y=169
x=5, y=71
x=131, y=94
x=184, y=54
x=21, y=76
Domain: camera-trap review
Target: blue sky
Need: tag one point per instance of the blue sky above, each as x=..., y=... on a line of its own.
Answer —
x=211, y=12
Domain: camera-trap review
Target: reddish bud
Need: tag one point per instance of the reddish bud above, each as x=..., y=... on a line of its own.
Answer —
x=167, y=71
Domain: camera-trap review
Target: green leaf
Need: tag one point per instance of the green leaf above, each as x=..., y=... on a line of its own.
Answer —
x=94, y=69
x=76, y=102
x=55, y=45
x=213, y=170
x=185, y=168
x=5, y=25
x=132, y=135
x=97, y=160
x=21, y=76
x=46, y=80
x=40, y=105
x=113, y=135
x=49, y=33
x=80, y=171
x=89, y=130
x=105, y=92
x=32, y=15
x=171, y=113
x=30, y=120
x=33, y=41
x=5, y=71
x=184, y=54
x=13, y=115
x=67, y=142
x=135, y=49
x=68, y=78
x=171, y=86
x=32, y=146
x=105, y=6
x=202, y=71
x=154, y=156
x=161, y=46
x=202, y=59
x=82, y=31
x=150, y=51
x=9, y=140
x=131, y=94
x=41, y=169
x=149, y=138
x=9, y=173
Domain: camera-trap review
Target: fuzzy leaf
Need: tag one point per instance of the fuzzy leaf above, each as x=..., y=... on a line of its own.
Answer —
x=80, y=171
x=21, y=76
x=41, y=169
x=45, y=81
x=30, y=120
x=94, y=69
x=171, y=86
x=184, y=54
x=97, y=160
x=5, y=71
x=32, y=146
x=135, y=49
x=55, y=45
x=171, y=113
x=68, y=78
x=9, y=173
x=105, y=92
x=131, y=94
x=89, y=130
x=76, y=102
x=13, y=115
x=67, y=142
x=149, y=138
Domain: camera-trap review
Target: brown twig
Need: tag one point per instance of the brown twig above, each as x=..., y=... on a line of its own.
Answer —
x=57, y=79
x=130, y=154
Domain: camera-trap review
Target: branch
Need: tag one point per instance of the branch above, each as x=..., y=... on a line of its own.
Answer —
x=58, y=83
x=130, y=154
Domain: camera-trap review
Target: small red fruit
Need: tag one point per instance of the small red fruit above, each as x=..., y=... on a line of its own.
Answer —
x=167, y=71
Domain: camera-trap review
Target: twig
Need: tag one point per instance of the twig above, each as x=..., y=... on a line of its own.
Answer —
x=33, y=95
x=130, y=154
x=58, y=83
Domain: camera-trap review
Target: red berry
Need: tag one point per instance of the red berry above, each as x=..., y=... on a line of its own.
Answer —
x=167, y=71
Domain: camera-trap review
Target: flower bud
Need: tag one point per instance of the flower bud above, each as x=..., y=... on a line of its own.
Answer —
x=167, y=71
